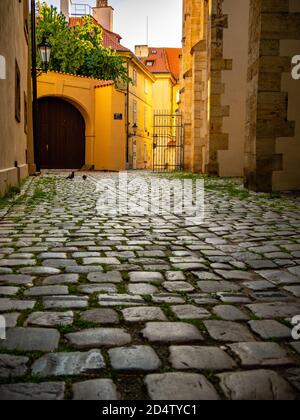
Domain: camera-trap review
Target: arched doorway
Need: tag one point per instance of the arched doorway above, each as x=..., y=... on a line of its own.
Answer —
x=61, y=135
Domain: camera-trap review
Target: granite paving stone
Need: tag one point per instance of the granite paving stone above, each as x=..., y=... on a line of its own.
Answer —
x=135, y=358
x=68, y=364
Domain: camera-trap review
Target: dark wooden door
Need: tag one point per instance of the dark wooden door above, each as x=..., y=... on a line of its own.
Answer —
x=61, y=142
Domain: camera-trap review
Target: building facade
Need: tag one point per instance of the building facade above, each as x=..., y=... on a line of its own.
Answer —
x=15, y=94
x=138, y=94
x=81, y=123
x=237, y=95
x=163, y=63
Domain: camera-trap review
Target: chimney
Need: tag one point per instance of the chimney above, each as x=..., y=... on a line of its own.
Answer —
x=65, y=8
x=104, y=14
x=142, y=51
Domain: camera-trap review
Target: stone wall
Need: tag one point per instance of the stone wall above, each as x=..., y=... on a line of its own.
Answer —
x=269, y=86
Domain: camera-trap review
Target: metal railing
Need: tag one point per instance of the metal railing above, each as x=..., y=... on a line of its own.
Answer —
x=78, y=9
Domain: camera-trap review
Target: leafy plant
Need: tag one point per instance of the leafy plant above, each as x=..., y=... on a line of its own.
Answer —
x=78, y=50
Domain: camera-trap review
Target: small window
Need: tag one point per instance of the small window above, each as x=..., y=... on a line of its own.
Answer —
x=149, y=63
x=153, y=52
x=146, y=86
x=134, y=77
x=2, y=68
x=134, y=112
x=18, y=94
x=145, y=153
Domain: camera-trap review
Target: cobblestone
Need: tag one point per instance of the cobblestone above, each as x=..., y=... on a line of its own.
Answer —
x=87, y=296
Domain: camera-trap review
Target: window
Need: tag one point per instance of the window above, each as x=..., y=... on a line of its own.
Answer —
x=145, y=153
x=149, y=63
x=134, y=77
x=153, y=52
x=146, y=86
x=2, y=68
x=134, y=112
x=25, y=114
x=17, y=93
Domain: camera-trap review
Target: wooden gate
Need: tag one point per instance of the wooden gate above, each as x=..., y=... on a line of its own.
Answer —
x=61, y=133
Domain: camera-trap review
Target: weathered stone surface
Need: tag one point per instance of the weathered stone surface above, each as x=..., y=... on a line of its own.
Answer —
x=279, y=277
x=16, y=263
x=110, y=277
x=30, y=339
x=142, y=314
x=47, y=291
x=16, y=279
x=259, y=285
x=99, y=260
x=61, y=279
x=84, y=269
x=228, y=331
x=101, y=316
x=68, y=302
x=146, y=277
x=11, y=319
x=33, y=392
x=15, y=305
x=203, y=358
x=99, y=337
x=296, y=346
x=218, y=286
x=295, y=290
x=95, y=390
x=13, y=366
x=180, y=386
x=134, y=358
x=178, y=286
x=261, y=354
x=89, y=289
x=175, y=276
x=230, y=313
x=35, y=271
x=190, y=312
x=50, y=319
x=237, y=275
x=142, y=289
x=255, y=385
x=293, y=376
x=177, y=332
x=268, y=329
x=275, y=310
x=8, y=290
x=120, y=300
x=68, y=364
x=167, y=298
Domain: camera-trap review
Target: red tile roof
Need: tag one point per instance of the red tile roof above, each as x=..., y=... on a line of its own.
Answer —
x=104, y=83
x=165, y=60
x=110, y=39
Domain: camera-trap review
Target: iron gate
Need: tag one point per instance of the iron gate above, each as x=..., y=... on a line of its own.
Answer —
x=168, y=142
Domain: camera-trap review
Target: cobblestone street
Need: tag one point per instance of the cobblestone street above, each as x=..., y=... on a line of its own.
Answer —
x=122, y=307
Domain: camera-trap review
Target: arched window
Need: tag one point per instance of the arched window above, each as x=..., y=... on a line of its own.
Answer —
x=2, y=68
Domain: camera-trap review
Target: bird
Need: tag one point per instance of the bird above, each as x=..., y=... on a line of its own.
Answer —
x=71, y=176
x=84, y=177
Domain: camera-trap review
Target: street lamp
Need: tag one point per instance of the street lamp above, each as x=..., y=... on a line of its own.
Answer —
x=44, y=49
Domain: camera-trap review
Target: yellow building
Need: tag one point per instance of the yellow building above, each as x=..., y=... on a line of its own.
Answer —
x=81, y=123
x=138, y=94
x=164, y=64
x=15, y=94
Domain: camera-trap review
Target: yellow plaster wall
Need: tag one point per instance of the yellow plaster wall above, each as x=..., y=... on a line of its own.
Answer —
x=80, y=92
x=110, y=146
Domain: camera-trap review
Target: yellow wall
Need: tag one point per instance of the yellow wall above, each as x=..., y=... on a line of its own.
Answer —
x=80, y=91
x=15, y=140
x=164, y=93
x=110, y=145
x=141, y=143
x=105, y=136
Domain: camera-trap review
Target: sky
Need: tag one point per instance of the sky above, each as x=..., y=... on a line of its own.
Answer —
x=130, y=21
